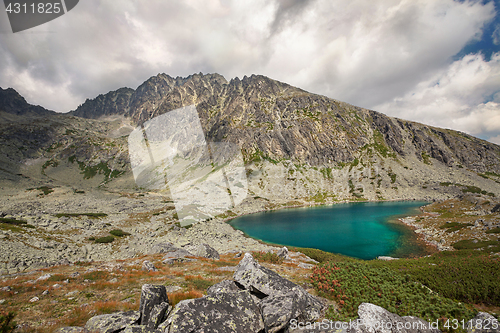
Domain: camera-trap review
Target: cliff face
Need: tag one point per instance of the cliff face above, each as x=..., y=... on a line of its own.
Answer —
x=308, y=145
x=274, y=120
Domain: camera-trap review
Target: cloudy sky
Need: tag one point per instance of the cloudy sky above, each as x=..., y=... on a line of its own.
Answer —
x=433, y=61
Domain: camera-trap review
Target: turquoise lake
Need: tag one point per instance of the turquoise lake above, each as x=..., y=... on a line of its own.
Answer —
x=363, y=230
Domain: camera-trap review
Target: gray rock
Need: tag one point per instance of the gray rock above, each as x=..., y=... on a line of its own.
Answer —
x=283, y=253
x=139, y=329
x=110, y=323
x=263, y=282
x=278, y=310
x=158, y=315
x=375, y=319
x=148, y=266
x=483, y=323
x=7, y=288
x=232, y=312
x=171, y=261
x=177, y=253
x=162, y=248
x=225, y=286
x=151, y=295
x=203, y=250
x=72, y=329
x=386, y=258
x=306, y=266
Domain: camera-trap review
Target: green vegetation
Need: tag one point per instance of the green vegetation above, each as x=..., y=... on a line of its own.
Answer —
x=455, y=226
x=468, y=244
x=119, y=233
x=105, y=239
x=12, y=224
x=90, y=171
x=269, y=257
x=7, y=323
x=91, y=215
x=351, y=284
x=197, y=282
x=468, y=188
x=494, y=231
x=426, y=158
x=393, y=177
x=45, y=189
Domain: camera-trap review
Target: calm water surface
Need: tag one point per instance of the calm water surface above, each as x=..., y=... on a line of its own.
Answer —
x=363, y=230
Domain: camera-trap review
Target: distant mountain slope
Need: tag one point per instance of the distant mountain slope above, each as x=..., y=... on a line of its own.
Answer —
x=295, y=144
x=271, y=119
x=13, y=103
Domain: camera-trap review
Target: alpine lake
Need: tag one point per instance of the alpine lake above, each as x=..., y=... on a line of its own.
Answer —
x=362, y=230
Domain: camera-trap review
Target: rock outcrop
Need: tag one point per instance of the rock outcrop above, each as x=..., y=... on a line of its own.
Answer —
x=257, y=300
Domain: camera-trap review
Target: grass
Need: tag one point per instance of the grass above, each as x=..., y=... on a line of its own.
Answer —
x=455, y=226
x=119, y=233
x=13, y=224
x=7, y=323
x=351, y=284
x=269, y=257
x=494, y=231
x=176, y=297
x=198, y=283
x=104, y=240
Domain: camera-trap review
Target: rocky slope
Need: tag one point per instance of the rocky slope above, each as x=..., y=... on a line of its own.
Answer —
x=299, y=148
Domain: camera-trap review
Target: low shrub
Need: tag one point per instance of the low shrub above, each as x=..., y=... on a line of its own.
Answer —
x=7, y=323
x=269, y=257
x=455, y=226
x=105, y=239
x=119, y=233
x=198, y=283
x=351, y=284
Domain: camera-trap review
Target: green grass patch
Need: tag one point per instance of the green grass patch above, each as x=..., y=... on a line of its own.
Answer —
x=322, y=256
x=426, y=158
x=454, y=226
x=469, y=244
x=13, y=224
x=269, y=257
x=96, y=276
x=105, y=239
x=198, y=283
x=119, y=233
x=494, y=231
x=351, y=284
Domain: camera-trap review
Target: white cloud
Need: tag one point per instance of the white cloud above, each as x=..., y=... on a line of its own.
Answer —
x=371, y=53
x=456, y=97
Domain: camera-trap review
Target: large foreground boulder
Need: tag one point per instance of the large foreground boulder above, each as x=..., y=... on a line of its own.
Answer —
x=483, y=323
x=231, y=312
x=281, y=300
x=111, y=323
x=151, y=296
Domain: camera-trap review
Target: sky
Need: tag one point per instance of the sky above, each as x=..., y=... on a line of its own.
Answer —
x=431, y=61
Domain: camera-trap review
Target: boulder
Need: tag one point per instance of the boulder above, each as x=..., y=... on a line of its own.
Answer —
x=203, y=250
x=110, y=323
x=72, y=329
x=483, y=323
x=158, y=314
x=231, y=312
x=139, y=329
x=148, y=266
x=375, y=319
x=225, y=286
x=151, y=295
x=283, y=253
x=278, y=310
x=263, y=282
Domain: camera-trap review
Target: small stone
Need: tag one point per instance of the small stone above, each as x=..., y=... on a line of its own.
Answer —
x=113, y=280
x=46, y=292
x=283, y=253
x=44, y=277
x=148, y=266
x=34, y=299
x=7, y=288
x=2, y=301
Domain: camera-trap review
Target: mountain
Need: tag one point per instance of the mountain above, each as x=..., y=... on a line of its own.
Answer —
x=308, y=145
x=13, y=103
